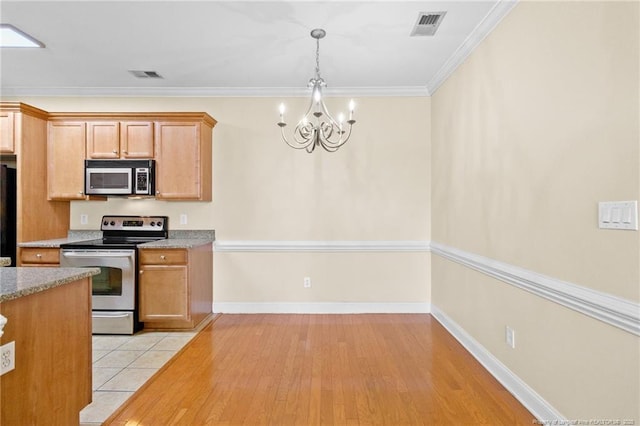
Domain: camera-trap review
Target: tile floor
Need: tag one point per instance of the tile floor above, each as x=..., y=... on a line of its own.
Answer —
x=121, y=364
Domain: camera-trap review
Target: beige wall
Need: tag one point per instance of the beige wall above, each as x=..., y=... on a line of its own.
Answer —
x=374, y=188
x=539, y=124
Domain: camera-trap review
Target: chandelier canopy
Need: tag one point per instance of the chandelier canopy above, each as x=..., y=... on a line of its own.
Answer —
x=317, y=127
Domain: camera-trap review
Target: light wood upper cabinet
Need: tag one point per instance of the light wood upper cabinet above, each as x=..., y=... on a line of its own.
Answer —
x=7, y=132
x=115, y=140
x=103, y=139
x=66, y=144
x=136, y=139
x=37, y=218
x=183, y=161
x=180, y=143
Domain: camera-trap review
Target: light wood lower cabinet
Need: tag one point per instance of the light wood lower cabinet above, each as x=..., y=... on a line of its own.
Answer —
x=51, y=382
x=175, y=286
x=32, y=256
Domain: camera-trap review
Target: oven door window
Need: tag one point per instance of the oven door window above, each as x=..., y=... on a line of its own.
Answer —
x=108, y=282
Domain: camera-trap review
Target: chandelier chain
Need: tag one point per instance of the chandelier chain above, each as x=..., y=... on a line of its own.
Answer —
x=318, y=58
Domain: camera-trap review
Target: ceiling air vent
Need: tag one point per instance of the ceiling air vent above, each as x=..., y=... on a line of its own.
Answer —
x=427, y=23
x=145, y=74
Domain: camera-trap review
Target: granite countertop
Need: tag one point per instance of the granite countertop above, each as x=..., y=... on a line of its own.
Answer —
x=177, y=239
x=55, y=243
x=18, y=282
x=177, y=243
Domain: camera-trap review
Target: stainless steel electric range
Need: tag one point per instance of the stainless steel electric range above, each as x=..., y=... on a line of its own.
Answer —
x=115, y=289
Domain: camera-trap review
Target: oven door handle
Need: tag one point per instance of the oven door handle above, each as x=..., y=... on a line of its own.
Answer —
x=125, y=315
x=98, y=253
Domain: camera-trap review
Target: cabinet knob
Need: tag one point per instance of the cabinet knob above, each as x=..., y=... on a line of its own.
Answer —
x=157, y=192
x=163, y=257
x=141, y=272
x=115, y=152
x=79, y=192
x=126, y=152
x=38, y=255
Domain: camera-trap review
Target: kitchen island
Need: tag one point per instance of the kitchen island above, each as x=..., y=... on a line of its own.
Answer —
x=48, y=313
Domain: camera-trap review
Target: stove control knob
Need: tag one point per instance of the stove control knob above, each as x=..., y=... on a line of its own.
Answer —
x=153, y=224
x=105, y=223
x=112, y=223
x=159, y=223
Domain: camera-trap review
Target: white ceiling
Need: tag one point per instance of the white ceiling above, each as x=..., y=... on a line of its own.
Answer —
x=237, y=47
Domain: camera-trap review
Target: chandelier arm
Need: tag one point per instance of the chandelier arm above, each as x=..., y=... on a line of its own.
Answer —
x=298, y=145
x=337, y=144
x=325, y=111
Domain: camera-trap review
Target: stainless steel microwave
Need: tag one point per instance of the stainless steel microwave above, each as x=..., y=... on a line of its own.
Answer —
x=119, y=177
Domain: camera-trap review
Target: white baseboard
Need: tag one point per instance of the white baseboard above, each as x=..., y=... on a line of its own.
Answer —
x=320, y=308
x=537, y=405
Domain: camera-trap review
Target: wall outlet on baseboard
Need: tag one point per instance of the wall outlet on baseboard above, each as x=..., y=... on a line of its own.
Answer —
x=307, y=282
x=7, y=357
x=84, y=219
x=183, y=219
x=510, y=337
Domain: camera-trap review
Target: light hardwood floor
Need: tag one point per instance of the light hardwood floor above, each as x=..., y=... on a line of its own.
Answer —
x=382, y=369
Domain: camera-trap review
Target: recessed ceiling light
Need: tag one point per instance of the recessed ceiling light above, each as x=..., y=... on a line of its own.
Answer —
x=10, y=36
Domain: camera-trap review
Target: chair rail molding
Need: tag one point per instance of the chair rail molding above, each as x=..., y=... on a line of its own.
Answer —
x=321, y=246
x=613, y=310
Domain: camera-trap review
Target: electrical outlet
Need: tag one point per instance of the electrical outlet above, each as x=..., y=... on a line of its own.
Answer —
x=84, y=219
x=7, y=357
x=183, y=219
x=510, y=337
x=307, y=282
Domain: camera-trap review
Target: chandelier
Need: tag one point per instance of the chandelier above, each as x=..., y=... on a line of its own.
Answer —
x=317, y=127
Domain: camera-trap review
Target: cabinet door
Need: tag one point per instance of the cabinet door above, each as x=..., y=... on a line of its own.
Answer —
x=65, y=160
x=136, y=139
x=163, y=292
x=178, y=161
x=7, y=132
x=103, y=139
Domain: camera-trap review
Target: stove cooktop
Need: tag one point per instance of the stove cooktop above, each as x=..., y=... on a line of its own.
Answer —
x=125, y=232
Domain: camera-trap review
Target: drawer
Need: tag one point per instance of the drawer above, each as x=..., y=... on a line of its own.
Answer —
x=163, y=257
x=39, y=255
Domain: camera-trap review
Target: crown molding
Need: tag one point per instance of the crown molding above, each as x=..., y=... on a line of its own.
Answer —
x=212, y=92
x=482, y=30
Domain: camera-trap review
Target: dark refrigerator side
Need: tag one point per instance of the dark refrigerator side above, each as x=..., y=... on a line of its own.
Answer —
x=8, y=213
